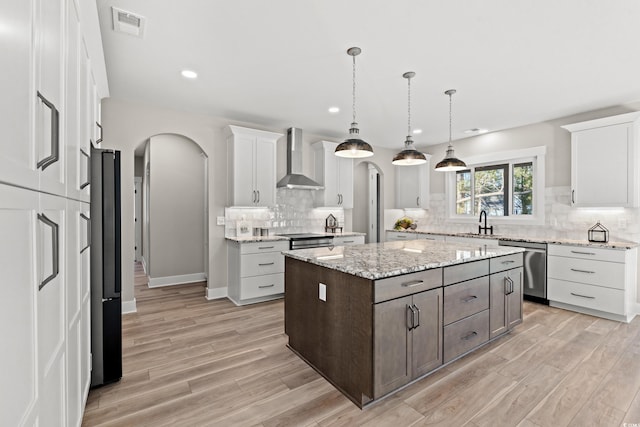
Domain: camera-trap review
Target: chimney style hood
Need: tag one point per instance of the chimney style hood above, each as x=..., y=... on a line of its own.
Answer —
x=294, y=178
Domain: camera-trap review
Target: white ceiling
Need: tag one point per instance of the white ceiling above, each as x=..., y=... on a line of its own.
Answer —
x=282, y=63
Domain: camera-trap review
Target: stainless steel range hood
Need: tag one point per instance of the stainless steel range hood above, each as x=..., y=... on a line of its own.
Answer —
x=294, y=178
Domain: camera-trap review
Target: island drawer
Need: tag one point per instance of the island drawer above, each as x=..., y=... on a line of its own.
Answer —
x=506, y=262
x=466, y=271
x=407, y=284
x=260, y=286
x=466, y=334
x=466, y=298
x=267, y=246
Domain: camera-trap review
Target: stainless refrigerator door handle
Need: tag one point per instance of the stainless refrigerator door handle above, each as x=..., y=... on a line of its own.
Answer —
x=55, y=135
x=86, y=184
x=54, y=250
x=86, y=218
x=99, y=140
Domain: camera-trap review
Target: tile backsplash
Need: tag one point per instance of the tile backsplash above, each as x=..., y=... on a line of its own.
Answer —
x=294, y=213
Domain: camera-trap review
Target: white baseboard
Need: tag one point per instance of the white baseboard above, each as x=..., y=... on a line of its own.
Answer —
x=129, y=306
x=144, y=264
x=216, y=293
x=155, y=282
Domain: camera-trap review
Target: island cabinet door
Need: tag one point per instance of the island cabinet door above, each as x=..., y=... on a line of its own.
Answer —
x=392, y=345
x=427, y=334
x=505, y=309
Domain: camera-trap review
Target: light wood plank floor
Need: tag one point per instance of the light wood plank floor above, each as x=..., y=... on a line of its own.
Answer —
x=192, y=362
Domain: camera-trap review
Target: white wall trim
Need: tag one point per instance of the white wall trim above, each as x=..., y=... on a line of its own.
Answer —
x=129, y=306
x=155, y=282
x=216, y=293
x=144, y=264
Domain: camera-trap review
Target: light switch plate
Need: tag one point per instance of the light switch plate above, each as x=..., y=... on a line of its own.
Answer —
x=220, y=220
x=322, y=291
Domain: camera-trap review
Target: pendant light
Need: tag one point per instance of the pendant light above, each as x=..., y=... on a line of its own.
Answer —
x=409, y=156
x=354, y=147
x=450, y=163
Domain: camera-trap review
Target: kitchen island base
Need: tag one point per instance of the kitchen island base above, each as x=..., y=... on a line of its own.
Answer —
x=372, y=337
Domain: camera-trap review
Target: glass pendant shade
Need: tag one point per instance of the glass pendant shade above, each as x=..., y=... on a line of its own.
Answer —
x=409, y=156
x=450, y=163
x=353, y=147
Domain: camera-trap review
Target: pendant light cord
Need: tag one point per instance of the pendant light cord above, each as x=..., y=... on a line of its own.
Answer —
x=450, y=95
x=354, y=89
x=409, y=107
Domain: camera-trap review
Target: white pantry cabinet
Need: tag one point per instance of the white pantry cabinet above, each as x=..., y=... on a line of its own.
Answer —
x=412, y=186
x=251, y=156
x=604, y=161
x=335, y=174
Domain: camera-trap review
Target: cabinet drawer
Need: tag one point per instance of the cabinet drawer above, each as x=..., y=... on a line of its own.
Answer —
x=261, y=286
x=407, y=284
x=268, y=246
x=506, y=262
x=465, y=334
x=466, y=298
x=469, y=270
x=399, y=235
x=258, y=264
x=436, y=237
x=589, y=296
x=600, y=273
x=348, y=240
x=587, y=252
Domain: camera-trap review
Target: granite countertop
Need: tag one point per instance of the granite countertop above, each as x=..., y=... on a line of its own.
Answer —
x=379, y=260
x=622, y=245
x=275, y=237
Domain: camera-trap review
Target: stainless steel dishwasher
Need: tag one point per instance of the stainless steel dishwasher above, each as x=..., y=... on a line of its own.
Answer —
x=535, y=269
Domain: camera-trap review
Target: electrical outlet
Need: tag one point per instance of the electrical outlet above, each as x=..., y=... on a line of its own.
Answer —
x=322, y=291
x=220, y=220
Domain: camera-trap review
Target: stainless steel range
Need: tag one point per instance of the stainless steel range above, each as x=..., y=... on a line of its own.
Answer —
x=308, y=240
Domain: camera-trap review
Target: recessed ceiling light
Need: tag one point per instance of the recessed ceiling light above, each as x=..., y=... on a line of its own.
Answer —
x=417, y=131
x=334, y=110
x=476, y=130
x=189, y=74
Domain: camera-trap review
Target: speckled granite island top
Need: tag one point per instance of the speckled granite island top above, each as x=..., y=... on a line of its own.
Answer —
x=379, y=260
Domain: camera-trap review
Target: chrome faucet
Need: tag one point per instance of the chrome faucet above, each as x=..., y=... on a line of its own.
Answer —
x=485, y=228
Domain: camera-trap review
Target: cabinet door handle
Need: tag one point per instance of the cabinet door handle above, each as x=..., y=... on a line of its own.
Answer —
x=573, y=196
x=55, y=135
x=417, y=314
x=409, y=313
x=583, y=253
x=582, y=296
x=88, y=181
x=86, y=218
x=508, y=285
x=582, y=271
x=54, y=250
x=418, y=201
x=469, y=336
x=254, y=196
x=99, y=140
x=266, y=263
x=469, y=298
x=258, y=196
x=412, y=283
x=266, y=286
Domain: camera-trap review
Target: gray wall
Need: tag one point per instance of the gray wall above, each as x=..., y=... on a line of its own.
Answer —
x=176, y=211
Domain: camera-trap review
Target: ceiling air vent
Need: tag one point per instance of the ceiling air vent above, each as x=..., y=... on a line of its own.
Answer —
x=127, y=22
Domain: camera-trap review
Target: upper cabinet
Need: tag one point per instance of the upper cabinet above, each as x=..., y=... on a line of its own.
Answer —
x=251, y=156
x=412, y=186
x=604, y=161
x=335, y=174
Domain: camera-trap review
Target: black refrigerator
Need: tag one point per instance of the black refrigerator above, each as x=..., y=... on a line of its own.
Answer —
x=106, y=271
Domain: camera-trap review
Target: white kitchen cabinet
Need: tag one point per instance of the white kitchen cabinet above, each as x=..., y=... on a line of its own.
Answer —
x=348, y=240
x=256, y=271
x=392, y=236
x=412, y=186
x=596, y=281
x=604, y=162
x=252, y=167
x=335, y=174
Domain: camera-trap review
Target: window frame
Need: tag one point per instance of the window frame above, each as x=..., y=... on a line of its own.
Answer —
x=534, y=155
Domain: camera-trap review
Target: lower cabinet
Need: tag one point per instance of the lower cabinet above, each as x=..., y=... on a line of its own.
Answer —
x=348, y=240
x=505, y=310
x=408, y=339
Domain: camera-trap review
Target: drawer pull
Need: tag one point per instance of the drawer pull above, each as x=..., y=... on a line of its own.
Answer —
x=412, y=283
x=266, y=286
x=510, y=261
x=469, y=298
x=266, y=263
x=582, y=253
x=265, y=247
x=582, y=296
x=401, y=237
x=348, y=241
x=469, y=336
x=582, y=271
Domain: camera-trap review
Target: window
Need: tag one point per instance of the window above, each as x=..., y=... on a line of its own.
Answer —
x=500, y=190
